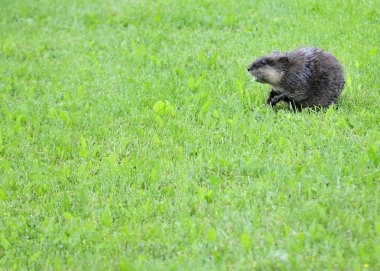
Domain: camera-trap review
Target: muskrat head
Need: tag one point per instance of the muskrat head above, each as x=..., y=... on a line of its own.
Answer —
x=269, y=69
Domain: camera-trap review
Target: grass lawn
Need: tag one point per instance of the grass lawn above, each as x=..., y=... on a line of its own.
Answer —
x=132, y=138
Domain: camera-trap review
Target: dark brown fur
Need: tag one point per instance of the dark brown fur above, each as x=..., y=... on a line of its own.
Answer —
x=306, y=77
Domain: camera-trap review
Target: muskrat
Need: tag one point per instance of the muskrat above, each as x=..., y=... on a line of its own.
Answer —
x=306, y=77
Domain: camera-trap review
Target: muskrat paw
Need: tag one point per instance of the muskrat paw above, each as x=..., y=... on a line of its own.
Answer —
x=269, y=101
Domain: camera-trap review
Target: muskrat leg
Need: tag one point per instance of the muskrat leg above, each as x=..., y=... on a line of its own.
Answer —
x=272, y=94
x=274, y=100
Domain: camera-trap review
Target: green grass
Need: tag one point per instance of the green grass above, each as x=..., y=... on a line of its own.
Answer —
x=132, y=138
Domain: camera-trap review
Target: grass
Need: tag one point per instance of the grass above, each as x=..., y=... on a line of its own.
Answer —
x=132, y=138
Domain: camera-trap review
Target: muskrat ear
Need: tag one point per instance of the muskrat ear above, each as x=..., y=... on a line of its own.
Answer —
x=284, y=59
